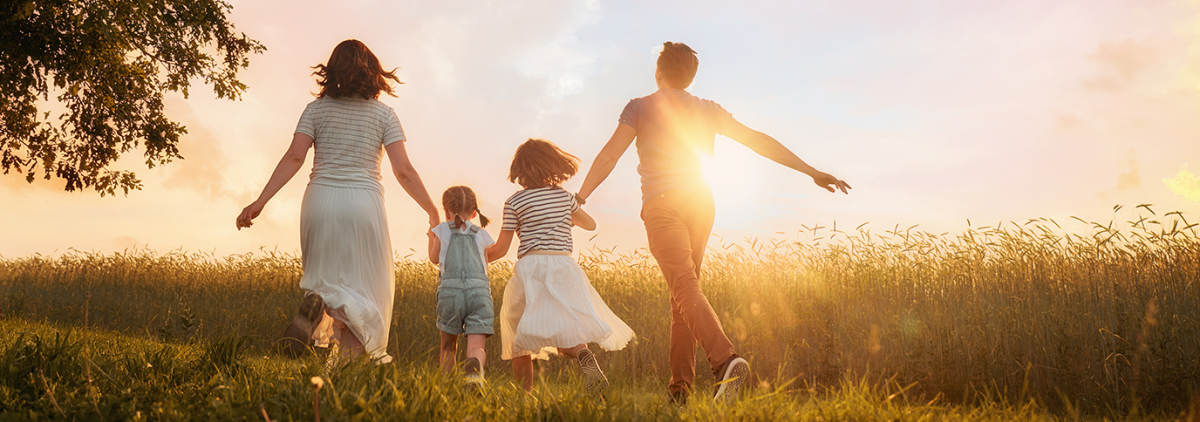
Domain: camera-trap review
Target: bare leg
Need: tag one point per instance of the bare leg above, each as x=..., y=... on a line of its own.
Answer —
x=572, y=352
x=475, y=347
x=523, y=372
x=449, y=351
x=349, y=344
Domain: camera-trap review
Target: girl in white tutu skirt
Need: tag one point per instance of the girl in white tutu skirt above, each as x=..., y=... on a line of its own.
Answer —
x=549, y=304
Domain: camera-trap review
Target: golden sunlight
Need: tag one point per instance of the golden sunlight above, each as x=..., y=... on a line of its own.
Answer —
x=737, y=182
x=1185, y=184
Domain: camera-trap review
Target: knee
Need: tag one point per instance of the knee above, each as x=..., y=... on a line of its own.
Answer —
x=683, y=302
x=685, y=291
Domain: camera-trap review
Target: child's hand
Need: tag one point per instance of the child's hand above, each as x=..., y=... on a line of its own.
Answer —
x=583, y=220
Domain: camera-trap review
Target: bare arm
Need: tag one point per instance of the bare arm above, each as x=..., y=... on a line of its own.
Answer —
x=411, y=181
x=583, y=220
x=291, y=162
x=500, y=248
x=435, y=247
x=607, y=158
x=766, y=146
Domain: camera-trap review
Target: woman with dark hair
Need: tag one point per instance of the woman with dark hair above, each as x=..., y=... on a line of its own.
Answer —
x=346, y=252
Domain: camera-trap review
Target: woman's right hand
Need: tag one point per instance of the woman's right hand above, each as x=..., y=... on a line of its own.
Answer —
x=434, y=220
x=246, y=219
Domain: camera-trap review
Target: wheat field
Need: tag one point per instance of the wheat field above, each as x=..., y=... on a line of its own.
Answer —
x=1076, y=317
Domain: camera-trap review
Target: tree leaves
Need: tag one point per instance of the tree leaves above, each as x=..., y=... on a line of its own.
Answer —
x=110, y=61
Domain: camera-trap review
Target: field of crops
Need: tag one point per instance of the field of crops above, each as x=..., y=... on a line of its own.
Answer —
x=1069, y=317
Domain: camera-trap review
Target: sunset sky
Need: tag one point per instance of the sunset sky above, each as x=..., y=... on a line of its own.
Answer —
x=935, y=112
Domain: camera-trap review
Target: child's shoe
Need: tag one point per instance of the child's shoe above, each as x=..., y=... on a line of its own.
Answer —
x=473, y=372
x=593, y=377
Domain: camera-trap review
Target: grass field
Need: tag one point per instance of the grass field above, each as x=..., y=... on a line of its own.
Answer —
x=1017, y=321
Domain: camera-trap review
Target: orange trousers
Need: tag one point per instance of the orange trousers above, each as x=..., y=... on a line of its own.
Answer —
x=678, y=225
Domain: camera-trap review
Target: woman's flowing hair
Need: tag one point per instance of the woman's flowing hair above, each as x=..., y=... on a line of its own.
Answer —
x=353, y=70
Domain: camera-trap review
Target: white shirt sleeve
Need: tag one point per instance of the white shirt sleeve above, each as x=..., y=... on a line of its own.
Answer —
x=392, y=132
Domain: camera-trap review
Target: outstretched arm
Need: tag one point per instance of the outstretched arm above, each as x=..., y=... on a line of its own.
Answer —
x=766, y=146
x=500, y=248
x=296, y=153
x=411, y=181
x=607, y=158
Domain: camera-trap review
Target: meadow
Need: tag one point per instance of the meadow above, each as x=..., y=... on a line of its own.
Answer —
x=1035, y=320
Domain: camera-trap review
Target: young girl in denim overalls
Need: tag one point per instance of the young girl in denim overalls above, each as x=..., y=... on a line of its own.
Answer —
x=464, y=298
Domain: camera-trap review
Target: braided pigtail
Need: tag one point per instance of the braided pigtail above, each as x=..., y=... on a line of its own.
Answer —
x=461, y=199
x=453, y=205
x=462, y=205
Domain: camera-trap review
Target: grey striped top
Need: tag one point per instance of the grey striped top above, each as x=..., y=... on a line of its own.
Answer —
x=541, y=218
x=349, y=136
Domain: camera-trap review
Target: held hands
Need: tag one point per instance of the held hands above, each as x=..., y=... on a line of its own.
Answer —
x=830, y=183
x=246, y=219
x=434, y=220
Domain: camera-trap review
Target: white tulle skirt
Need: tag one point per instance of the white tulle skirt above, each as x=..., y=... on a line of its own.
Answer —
x=347, y=258
x=550, y=303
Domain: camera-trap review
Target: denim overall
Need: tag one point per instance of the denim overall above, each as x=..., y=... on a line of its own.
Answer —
x=464, y=298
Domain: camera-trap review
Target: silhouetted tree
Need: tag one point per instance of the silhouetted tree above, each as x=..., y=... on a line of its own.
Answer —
x=109, y=62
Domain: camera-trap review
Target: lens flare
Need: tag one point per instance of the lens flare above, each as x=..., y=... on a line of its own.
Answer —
x=1185, y=184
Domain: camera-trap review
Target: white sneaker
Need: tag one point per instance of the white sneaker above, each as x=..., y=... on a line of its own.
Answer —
x=734, y=376
x=593, y=376
x=473, y=372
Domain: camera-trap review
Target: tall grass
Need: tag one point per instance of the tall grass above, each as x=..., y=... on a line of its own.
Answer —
x=1092, y=318
x=139, y=379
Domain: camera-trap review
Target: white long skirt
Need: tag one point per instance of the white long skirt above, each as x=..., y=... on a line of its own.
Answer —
x=347, y=257
x=550, y=303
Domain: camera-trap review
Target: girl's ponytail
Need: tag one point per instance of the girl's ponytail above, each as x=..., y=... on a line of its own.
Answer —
x=462, y=202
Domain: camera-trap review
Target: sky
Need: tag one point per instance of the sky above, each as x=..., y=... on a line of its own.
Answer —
x=936, y=112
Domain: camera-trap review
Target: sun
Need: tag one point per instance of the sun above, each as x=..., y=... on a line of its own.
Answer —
x=738, y=183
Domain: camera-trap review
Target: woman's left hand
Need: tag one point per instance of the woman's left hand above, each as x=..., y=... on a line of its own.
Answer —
x=246, y=219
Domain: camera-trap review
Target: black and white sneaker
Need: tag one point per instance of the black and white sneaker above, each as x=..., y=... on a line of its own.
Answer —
x=593, y=377
x=735, y=374
x=298, y=335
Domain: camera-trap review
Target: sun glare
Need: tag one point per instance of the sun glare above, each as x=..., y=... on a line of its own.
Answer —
x=737, y=182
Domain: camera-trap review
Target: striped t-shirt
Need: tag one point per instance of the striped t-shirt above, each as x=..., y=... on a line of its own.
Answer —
x=349, y=135
x=542, y=219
